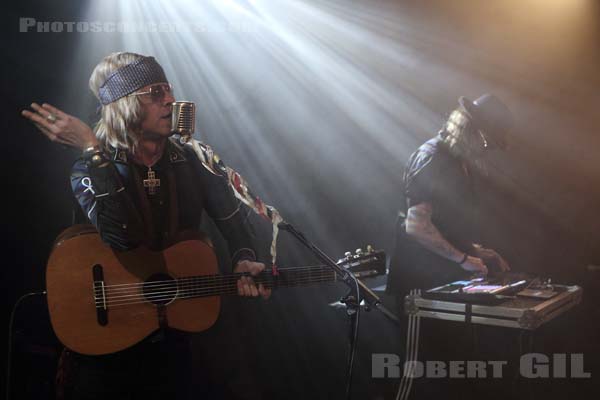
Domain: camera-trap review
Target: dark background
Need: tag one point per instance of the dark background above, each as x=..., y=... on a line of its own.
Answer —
x=330, y=157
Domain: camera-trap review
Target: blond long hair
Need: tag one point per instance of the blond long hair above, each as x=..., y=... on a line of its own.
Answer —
x=119, y=124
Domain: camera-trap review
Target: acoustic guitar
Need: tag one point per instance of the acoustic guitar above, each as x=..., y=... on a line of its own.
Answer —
x=101, y=300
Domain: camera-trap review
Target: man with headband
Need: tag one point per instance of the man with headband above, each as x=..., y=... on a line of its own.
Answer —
x=138, y=187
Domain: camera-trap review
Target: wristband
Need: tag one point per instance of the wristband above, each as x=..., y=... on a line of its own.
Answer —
x=93, y=156
x=464, y=259
x=91, y=150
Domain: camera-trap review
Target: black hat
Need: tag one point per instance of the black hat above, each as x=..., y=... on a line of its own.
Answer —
x=491, y=116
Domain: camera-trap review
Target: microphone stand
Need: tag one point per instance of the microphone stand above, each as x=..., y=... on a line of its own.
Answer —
x=358, y=291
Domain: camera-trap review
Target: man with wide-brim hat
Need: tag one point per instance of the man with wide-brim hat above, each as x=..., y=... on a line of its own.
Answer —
x=436, y=242
x=492, y=117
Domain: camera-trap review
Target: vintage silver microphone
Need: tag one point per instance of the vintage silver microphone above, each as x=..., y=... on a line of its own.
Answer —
x=183, y=119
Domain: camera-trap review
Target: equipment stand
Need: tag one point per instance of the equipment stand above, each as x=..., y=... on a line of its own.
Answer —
x=358, y=291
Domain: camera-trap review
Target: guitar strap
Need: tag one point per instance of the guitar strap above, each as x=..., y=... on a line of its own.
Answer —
x=240, y=188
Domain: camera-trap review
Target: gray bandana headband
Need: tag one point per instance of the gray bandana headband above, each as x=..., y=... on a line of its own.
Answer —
x=126, y=80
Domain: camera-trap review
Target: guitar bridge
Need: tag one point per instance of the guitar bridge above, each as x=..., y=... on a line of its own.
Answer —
x=100, y=295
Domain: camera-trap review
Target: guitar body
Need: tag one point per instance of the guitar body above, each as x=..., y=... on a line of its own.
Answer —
x=102, y=301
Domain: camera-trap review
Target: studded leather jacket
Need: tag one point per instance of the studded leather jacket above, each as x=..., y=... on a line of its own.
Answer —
x=114, y=199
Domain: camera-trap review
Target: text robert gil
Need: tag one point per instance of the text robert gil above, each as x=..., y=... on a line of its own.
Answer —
x=531, y=365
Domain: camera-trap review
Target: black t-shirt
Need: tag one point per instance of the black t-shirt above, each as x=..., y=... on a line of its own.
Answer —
x=433, y=175
x=159, y=201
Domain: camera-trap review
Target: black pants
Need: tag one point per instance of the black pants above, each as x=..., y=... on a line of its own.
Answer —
x=215, y=364
x=148, y=370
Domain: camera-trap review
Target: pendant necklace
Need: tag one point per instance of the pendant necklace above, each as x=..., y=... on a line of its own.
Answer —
x=151, y=182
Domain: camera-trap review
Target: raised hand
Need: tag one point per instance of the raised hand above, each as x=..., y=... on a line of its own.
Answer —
x=61, y=127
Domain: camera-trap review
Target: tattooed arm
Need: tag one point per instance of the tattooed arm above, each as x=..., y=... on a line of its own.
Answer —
x=420, y=227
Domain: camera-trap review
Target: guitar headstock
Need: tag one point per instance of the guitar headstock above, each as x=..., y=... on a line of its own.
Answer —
x=364, y=263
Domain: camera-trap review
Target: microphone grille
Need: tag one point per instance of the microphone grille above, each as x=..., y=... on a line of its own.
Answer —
x=183, y=118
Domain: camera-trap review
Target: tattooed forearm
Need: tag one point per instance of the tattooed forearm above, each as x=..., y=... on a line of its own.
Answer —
x=420, y=228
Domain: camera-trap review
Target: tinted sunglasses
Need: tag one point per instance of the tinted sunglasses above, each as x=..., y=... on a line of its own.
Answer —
x=156, y=92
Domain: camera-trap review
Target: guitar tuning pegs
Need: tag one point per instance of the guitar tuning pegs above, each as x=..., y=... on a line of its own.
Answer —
x=359, y=252
x=347, y=255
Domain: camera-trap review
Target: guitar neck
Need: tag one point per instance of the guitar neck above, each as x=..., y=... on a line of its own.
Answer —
x=213, y=285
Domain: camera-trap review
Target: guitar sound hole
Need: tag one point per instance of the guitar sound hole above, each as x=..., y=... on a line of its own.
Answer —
x=160, y=289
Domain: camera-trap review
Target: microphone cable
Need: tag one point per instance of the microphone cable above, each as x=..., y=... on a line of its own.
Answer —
x=10, y=338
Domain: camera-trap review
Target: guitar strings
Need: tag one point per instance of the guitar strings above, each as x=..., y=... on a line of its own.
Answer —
x=184, y=285
x=197, y=288
x=218, y=276
x=207, y=291
x=199, y=280
x=187, y=287
x=141, y=299
x=230, y=292
x=194, y=285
